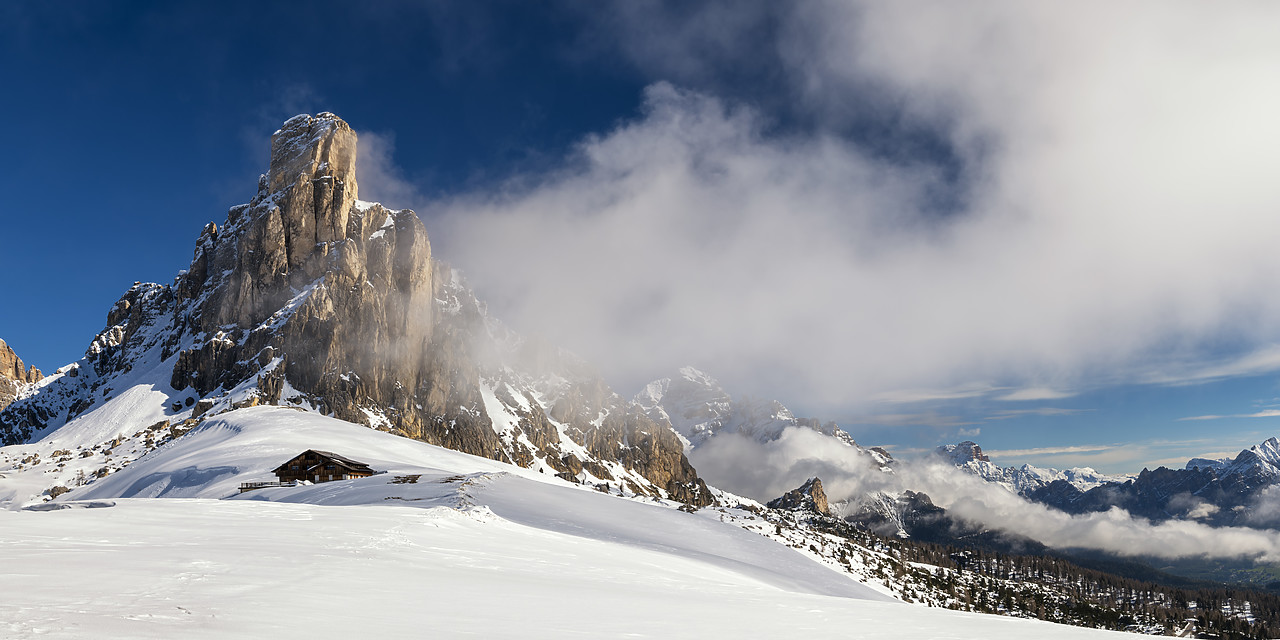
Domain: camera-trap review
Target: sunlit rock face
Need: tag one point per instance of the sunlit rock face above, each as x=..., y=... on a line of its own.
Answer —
x=308, y=296
x=15, y=376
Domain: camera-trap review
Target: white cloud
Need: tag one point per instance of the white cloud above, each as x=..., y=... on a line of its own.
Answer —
x=1007, y=414
x=1046, y=451
x=377, y=175
x=910, y=396
x=1262, y=360
x=920, y=419
x=766, y=471
x=1266, y=413
x=1035, y=393
x=1116, y=531
x=1116, y=215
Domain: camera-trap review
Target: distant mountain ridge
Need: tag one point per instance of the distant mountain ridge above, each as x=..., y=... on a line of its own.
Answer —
x=1217, y=492
x=1260, y=459
x=968, y=456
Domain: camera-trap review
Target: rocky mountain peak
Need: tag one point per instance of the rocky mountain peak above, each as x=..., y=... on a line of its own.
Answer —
x=698, y=377
x=807, y=497
x=308, y=147
x=310, y=298
x=14, y=374
x=963, y=452
x=13, y=368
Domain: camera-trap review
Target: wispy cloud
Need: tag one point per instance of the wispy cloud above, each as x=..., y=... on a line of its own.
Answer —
x=1007, y=414
x=911, y=396
x=1265, y=359
x=1267, y=413
x=1042, y=240
x=922, y=419
x=1048, y=451
x=1035, y=393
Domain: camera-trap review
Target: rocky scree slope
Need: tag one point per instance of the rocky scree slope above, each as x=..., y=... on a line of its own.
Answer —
x=307, y=296
x=15, y=376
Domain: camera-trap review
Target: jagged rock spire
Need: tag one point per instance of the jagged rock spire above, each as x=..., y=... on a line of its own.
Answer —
x=808, y=497
x=13, y=374
x=12, y=367
x=309, y=147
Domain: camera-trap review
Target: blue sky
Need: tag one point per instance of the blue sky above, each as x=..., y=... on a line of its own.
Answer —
x=1048, y=229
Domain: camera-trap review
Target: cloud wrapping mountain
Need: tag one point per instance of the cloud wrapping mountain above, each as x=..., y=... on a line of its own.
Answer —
x=1089, y=201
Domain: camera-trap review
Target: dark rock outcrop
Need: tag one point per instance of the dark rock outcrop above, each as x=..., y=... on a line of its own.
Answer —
x=914, y=515
x=807, y=497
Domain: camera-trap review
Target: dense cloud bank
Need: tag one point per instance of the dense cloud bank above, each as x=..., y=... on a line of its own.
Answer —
x=1095, y=202
x=765, y=471
x=842, y=203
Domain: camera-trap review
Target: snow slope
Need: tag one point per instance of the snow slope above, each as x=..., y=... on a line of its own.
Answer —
x=223, y=569
x=443, y=544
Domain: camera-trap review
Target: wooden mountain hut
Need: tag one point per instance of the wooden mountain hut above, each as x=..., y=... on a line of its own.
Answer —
x=321, y=466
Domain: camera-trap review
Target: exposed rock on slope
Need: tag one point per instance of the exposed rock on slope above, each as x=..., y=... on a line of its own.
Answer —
x=15, y=376
x=308, y=296
x=808, y=497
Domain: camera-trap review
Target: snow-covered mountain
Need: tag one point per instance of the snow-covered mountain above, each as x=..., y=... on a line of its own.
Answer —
x=312, y=298
x=1260, y=461
x=1217, y=492
x=699, y=409
x=516, y=495
x=1023, y=480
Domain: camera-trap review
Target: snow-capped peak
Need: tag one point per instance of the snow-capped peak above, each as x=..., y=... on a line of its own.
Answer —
x=1260, y=459
x=969, y=457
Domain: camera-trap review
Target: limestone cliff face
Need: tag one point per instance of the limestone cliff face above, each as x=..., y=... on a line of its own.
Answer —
x=310, y=297
x=14, y=375
x=305, y=284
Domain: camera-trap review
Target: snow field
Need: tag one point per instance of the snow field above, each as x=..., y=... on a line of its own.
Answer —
x=219, y=569
x=442, y=545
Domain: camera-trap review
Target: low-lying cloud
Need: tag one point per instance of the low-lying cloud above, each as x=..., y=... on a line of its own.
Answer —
x=1103, y=208
x=765, y=471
